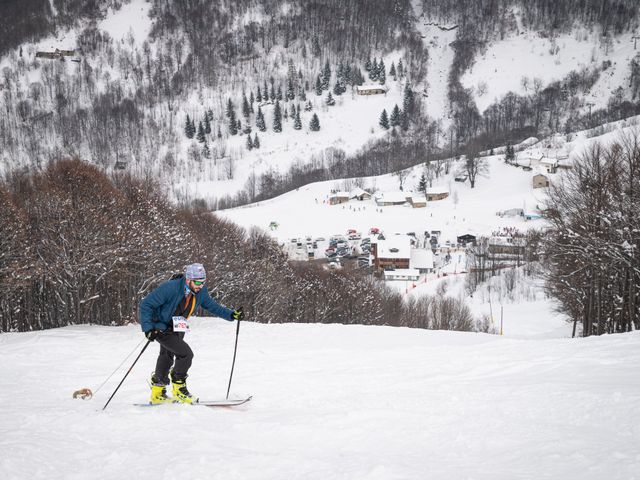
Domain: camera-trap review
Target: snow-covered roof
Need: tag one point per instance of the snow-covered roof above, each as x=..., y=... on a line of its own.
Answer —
x=418, y=198
x=364, y=88
x=393, y=197
x=548, y=161
x=339, y=194
x=356, y=192
x=395, y=246
x=421, y=258
x=437, y=189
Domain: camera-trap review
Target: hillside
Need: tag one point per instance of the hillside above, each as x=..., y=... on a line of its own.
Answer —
x=139, y=74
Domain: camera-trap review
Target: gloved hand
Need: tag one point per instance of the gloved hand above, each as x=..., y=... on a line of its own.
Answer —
x=152, y=334
x=238, y=314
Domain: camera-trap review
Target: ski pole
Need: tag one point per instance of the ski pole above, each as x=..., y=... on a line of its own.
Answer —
x=128, y=372
x=235, y=349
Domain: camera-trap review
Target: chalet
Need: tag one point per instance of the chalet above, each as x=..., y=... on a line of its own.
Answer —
x=540, y=181
x=437, y=193
x=57, y=54
x=371, y=89
x=549, y=164
x=410, y=274
x=394, y=252
x=507, y=246
x=359, y=194
x=338, y=197
x=466, y=238
x=418, y=201
x=386, y=199
x=421, y=259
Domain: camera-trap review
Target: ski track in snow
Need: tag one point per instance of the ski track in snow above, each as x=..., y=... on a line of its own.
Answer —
x=330, y=401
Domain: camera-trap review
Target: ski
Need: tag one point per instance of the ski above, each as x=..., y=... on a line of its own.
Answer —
x=203, y=403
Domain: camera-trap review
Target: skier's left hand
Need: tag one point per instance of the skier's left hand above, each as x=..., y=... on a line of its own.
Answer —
x=238, y=314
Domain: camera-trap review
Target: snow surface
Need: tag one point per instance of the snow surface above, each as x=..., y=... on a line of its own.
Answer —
x=330, y=402
x=130, y=21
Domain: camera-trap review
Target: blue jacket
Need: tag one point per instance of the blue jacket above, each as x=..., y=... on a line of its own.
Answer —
x=157, y=308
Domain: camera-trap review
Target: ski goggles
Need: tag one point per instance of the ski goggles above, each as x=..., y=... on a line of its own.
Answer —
x=197, y=283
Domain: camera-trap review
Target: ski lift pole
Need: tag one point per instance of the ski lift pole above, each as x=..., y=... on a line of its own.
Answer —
x=235, y=349
x=126, y=374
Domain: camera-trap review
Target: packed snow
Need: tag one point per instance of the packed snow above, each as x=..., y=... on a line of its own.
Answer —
x=329, y=401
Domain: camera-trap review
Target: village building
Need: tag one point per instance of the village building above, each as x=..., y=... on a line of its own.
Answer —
x=371, y=89
x=391, y=253
x=540, y=181
x=418, y=201
x=338, y=197
x=406, y=274
x=56, y=54
x=437, y=193
x=466, y=238
x=359, y=194
x=386, y=199
x=421, y=259
x=549, y=165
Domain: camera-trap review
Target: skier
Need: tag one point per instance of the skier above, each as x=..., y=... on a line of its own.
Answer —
x=164, y=317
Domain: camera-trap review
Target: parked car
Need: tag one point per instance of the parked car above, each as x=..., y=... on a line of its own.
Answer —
x=374, y=230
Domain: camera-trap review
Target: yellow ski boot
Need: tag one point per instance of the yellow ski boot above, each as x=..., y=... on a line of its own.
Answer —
x=180, y=392
x=158, y=393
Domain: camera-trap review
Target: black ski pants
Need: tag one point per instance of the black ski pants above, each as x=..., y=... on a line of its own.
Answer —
x=173, y=347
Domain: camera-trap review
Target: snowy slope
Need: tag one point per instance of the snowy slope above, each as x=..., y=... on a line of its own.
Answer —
x=330, y=402
x=528, y=55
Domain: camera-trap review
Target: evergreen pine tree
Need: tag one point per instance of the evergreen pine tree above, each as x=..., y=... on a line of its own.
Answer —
x=318, y=86
x=392, y=71
x=384, y=120
x=326, y=75
x=272, y=95
x=422, y=186
x=256, y=142
x=382, y=76
x=292, y=110
x=209, y=115
x=302, y=95
x=229, y=108
x=238, y=125
x=245, y=106
x=279, y=94
x=200, y=136
x=251, y=101
x=207, y=125
x=233, y=125
x=400, y=69
x=367, y=65
x=407, y=101
x=189, y=131
x=330, y=101
x=290, y=91
x=395, y=116
x=259, y=96
x=373, y=73
x=277, y=118
x=315, y=46
x=297, y=122
x=404, y=121
x=337, y=89
x=314, y=125
x=206, y=152
x=260, y=120
x=265, y=92
x=249, y=143
x=308, y=107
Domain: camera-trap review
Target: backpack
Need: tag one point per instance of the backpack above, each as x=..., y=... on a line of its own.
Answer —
x=176, y=276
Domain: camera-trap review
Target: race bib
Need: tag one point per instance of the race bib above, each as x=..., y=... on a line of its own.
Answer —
x=180, y=324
